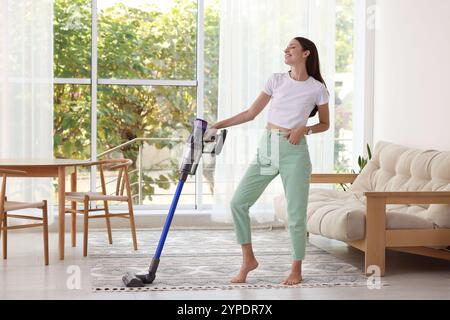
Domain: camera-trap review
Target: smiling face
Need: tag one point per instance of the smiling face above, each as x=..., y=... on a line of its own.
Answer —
x=294, y=53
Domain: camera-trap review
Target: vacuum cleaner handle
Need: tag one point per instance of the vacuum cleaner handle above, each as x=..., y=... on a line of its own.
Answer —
x=220, y=141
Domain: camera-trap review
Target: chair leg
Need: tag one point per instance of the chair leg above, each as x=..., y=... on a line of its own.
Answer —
x=1, y=219
x=45, y=231
x=74, y=225
x=1, y=224
x=5, y=235
x=85, y=230
x=132, y=225
x=108, y=221
x=73, y=205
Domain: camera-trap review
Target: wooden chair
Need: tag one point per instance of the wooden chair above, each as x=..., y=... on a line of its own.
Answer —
x=122, y=185
x=8, y=206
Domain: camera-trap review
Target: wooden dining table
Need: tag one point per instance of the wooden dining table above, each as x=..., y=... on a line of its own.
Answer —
x=50, y=168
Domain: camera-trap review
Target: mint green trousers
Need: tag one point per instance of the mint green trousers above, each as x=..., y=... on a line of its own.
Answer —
x=276, y=155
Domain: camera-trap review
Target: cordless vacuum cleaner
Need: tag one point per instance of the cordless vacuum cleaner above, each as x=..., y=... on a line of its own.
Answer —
x=194, y=148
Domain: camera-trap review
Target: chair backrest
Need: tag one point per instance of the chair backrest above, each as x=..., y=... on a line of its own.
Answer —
x=2, y=193
x=4, y=173
x=123, y=181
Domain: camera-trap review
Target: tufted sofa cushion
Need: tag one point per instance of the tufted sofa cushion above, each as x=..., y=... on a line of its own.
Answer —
x=340, y=215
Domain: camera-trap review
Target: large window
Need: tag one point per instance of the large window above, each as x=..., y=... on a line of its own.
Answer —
x=142, y=72
x=130, y=76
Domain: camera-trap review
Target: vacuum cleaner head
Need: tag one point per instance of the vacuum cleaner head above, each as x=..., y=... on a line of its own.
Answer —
x=133, y=280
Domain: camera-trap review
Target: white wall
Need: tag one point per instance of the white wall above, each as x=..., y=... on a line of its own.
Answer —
x=412, y=73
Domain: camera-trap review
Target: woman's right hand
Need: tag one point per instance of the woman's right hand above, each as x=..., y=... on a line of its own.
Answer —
x=211, y=132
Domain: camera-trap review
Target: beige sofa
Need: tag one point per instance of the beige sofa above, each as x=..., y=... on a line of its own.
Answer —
x=399, y=201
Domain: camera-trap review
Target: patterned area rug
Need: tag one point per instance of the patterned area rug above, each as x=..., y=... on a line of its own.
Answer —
x=207, y=259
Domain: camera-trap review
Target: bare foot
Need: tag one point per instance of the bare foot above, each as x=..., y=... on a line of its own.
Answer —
x=245, y=269
x=296, y=274
x=294, y=278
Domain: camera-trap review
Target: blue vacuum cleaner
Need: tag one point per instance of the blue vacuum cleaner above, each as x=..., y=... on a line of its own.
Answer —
x=195, y=146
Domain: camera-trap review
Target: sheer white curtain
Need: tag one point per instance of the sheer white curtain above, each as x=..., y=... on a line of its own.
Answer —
x=253, y=35
x=26, y=89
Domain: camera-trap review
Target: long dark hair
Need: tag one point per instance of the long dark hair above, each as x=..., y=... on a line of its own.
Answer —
x=312, y=63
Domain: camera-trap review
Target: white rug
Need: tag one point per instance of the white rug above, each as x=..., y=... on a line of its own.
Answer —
x=207, y=259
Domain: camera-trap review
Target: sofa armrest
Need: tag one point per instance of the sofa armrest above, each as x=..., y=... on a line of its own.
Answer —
x=333, y=177
x=411, y=197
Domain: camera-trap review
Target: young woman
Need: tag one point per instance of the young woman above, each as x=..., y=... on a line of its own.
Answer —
x=296, y=95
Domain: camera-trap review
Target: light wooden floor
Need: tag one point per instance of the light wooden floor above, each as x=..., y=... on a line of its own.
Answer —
x=23, y=276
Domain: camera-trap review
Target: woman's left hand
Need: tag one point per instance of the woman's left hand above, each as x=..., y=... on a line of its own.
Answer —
x=295, y=135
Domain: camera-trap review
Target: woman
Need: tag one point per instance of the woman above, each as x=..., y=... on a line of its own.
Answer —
x=296, y=95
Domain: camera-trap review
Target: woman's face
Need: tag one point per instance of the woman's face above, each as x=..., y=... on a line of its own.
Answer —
x=294, y=54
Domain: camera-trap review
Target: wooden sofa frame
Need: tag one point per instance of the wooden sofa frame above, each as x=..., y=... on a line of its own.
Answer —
x=378, y=239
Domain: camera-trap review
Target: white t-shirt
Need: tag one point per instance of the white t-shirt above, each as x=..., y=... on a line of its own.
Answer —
x=292, y=100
